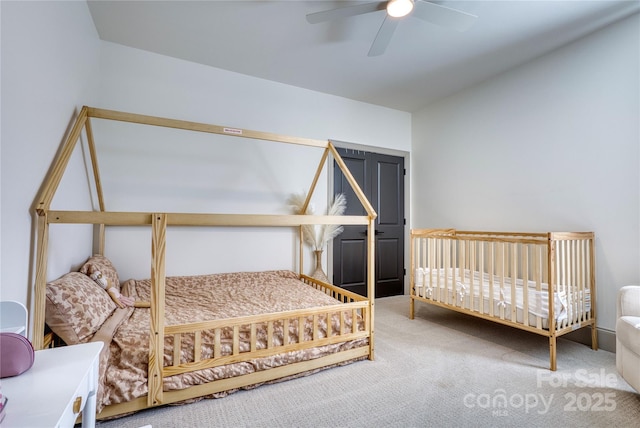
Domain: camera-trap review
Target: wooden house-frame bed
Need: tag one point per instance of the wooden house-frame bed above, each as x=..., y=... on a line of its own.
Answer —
x=332, y=332
x=508, y=277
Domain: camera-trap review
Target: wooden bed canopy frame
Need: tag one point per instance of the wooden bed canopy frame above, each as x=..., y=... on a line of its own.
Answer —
x=160, y=221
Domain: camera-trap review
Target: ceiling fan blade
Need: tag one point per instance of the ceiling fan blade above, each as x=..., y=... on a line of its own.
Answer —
x=383, y=37
x=343, y=12
x=443, y=15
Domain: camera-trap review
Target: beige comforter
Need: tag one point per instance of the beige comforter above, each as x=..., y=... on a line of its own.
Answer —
x=123, y=371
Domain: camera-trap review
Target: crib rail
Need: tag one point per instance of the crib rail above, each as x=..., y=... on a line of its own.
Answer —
x=208, y=344
x=540, y=282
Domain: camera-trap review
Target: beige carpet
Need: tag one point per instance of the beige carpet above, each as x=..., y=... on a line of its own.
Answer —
x=442, y=369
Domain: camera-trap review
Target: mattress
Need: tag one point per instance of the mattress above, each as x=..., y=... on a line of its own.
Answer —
x=210, y=297
x=473, y=290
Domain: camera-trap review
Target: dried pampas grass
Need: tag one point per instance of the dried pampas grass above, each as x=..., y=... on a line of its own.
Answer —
x=296, y=202
x=314, y=237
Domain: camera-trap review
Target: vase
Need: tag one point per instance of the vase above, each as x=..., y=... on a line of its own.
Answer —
x=318, y=273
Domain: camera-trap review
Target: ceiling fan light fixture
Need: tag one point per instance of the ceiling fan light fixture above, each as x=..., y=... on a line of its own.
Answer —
x=399, y=8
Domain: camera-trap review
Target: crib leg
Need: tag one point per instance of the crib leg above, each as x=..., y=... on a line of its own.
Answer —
x=412, y=308
x=594, y=337
x=552, y=353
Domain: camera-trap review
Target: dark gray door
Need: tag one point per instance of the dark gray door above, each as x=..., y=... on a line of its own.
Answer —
x=381, y=178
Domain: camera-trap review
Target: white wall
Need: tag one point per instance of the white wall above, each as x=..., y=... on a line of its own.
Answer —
x=53, y=63
x=49, y=54
x=552, y=145
x=144, y=82
x=231, y=176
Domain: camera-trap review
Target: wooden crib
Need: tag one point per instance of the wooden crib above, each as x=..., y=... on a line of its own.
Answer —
x=508, y=278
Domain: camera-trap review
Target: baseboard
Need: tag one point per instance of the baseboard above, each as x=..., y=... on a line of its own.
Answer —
x=606, y=338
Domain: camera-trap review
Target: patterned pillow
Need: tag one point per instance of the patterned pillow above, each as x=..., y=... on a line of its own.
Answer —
x=105, y=266
x=76, y=307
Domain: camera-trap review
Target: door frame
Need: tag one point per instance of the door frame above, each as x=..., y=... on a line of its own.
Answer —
x=407, y=198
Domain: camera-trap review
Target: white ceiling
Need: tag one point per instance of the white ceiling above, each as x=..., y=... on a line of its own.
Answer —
x=423, y=62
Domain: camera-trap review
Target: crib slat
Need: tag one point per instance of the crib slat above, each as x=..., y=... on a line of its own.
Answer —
x=560, y=275
x=538, y=261
x=501, y=268
x=433, y=265
x=577, y=286
x=481, y=269
x=514, y=277
x=438, y=266
x=563, y=288
x=578, y=281
x=582, y=280
x=576, y=295
x=554, y=265
x=592, y=284
x=525, y=284
x=447, y=270
x=460, y=269
x=584, y=284
x=472, y=270
x=570, y=287
x=427, y=263
x=440, y=271
x=569, y=282
x=492, y=258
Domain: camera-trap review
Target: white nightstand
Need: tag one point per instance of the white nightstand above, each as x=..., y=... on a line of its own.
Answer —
x=62, y=383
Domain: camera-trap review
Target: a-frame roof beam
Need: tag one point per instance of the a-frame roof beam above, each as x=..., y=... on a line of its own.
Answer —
x=53, y=179
x=200, y=127
x=352, y=181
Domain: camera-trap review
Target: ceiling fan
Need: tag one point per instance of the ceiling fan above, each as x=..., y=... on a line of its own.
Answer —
x=396, y=9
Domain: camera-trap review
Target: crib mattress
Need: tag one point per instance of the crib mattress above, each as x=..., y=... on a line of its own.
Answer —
x=474, y=291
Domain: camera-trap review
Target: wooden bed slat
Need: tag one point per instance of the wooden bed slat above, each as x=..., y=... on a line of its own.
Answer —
x=236, y=339
x=285, y=329
x=177, y=346
x=217, y=345
x=316, y=331
x=197, y=346
x=270, y=343
x=253, y=339
x=301, y=329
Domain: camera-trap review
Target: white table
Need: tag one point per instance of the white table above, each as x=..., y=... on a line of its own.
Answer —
x=16, y=330
x=62, y=383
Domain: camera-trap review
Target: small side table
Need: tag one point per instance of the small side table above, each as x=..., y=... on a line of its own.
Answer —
x=62, y=383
